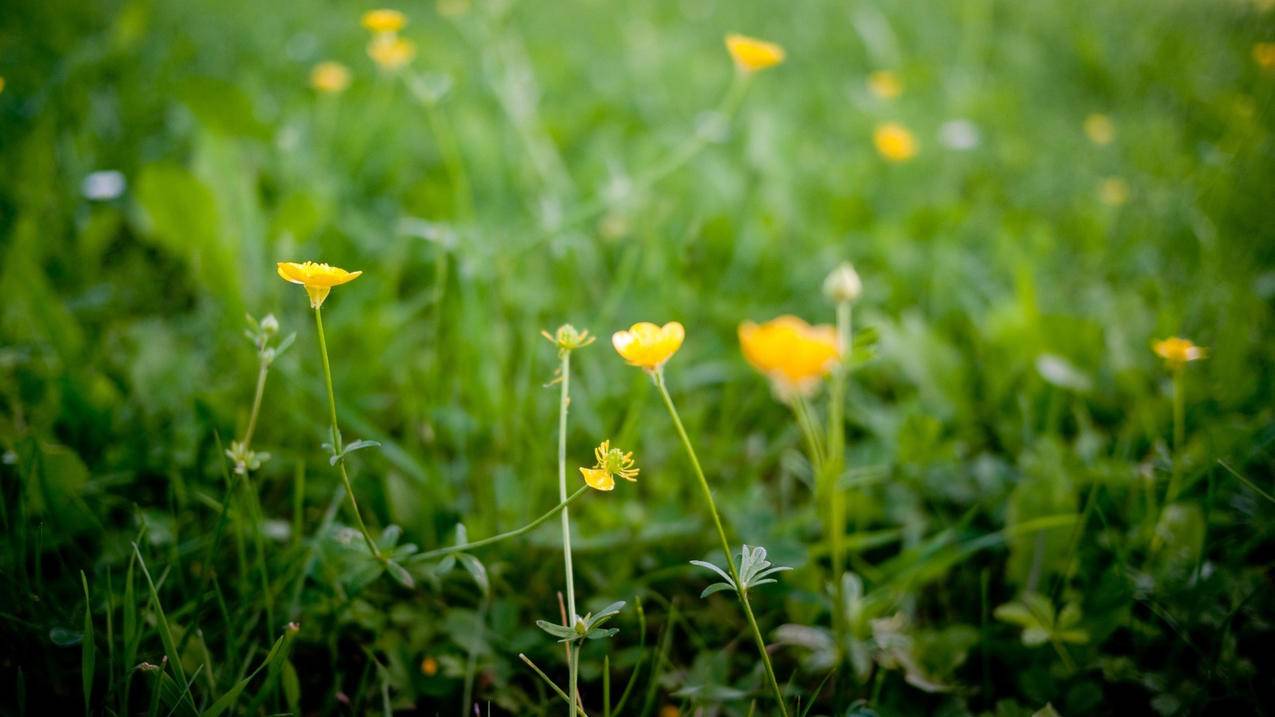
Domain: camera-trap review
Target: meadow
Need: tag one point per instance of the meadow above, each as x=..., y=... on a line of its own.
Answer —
x=664, y=358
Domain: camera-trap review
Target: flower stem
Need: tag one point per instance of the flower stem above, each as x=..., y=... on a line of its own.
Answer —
x=262, y=370
x=802, y=413
x=835, y=463
x=565, y=404
x=336, y=435
x=1179, y=431
x=658, y=375
x=439, y=552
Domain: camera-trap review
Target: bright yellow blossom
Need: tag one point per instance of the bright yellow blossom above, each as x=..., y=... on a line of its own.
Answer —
x=384, y=20
x=611, y=462
x=1177, y=351
x=1100, y=129
x=318, y=279
x=647, y=345
x=793, y=354
x=751, y=54
x=1264, y=55
x=330, y=77
x=390, y=51
x=894, y=142
x=885, y=84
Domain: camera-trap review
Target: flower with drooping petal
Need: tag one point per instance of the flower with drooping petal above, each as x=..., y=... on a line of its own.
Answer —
x=751, y=54
x=318, y=279
x=384, y=20
x=390, y=51
x=611, y=462
x=647, y=345
x=790, y=352
x=894, y=142
x=1177, y=351
x=885, y=84
x=330, y=77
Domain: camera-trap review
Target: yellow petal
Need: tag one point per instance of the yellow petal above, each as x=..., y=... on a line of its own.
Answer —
x=384, y=20
x=318, y=294
x=751, y=54
x=292, y=271
x=894, y=142
x=598, y=479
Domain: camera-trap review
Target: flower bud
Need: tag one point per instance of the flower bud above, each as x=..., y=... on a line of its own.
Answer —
x=843, y=284
x=269, y=325
x=568, y=338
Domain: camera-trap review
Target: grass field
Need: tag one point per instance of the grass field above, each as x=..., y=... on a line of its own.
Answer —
x=995, y=495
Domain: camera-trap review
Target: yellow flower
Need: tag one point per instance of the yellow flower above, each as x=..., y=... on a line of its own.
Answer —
x=648, y=345
x=1, y=85
x=793, y=354
x=885, y=84
x=318, y=279
x=1264, y=55
x=1113, y=191
x=611, y=462
x=751, y=54
x=429, y=666
x=330, y=77
x=894, y=142
x=1176, y=351
x=390, y=51
x=384, y=20
x=1100, y=129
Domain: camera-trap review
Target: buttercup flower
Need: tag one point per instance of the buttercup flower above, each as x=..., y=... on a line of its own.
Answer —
x=1264, y=55
x=647, y=345
x=390, y=51
x=611, y=462
x=894, y=142
x=793, y=354
x=318, y=279
x=384, y=20
x=330, y=77
x=751, y=54
x=1100, y=129
x=1177, y=351
x=885, y=84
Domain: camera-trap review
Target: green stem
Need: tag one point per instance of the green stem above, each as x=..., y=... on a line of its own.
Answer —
x=564, y=405
x=262, y=371
x=658, y=375
x=336, y=435
x=1179, y=431
x=802, y=412
x=438, y=552
x=835, y=465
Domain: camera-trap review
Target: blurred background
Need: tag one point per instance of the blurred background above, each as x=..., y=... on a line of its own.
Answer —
x=1031, y=192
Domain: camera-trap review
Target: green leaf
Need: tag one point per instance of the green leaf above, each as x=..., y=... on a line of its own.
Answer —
x=227, y=700
x=716, y=588
x=165, y=633
x=400, y=574
x=556, y=630
x=291, y=687
x=476, y=570
x=88, y=655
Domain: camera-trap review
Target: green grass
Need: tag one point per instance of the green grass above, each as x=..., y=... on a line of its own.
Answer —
x=1009, y=442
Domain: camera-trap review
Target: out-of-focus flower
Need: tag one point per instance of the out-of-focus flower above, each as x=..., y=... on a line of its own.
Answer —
x=793, y=354
x=647, y=345
x=384, y=20
x=390, y=51
x=894, y=142
x=330, y=77
x=843, y=284
x=1177, y=351
x=959, y=134
x=751, y=54
x=669, y=711
x=611, y=462
x=429, y=666
x=103, y=186
x=452, y=8
x=1264, y=55
x=885, y=84
x=318, y=279
x=1, y=84
x=1100, y=129
x=1113, y=191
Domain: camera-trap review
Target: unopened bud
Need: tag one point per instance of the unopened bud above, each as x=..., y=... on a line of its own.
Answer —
x=843, y=284
x=568, y=338
x=269, y=325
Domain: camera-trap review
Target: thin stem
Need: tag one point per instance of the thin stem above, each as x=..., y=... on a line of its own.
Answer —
x=836, y=463
x=262, y=371
x=534, y=668
x=802, y=412
x=438, y=552
x=658, y=375
x=564, y=405
x=336, y=435
x=1179, y=431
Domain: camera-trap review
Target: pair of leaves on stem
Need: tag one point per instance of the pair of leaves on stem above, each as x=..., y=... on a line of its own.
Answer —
x=1041, y=623
x=471, y=564
x=352, y=447
x=588, y=627
x=754, y=570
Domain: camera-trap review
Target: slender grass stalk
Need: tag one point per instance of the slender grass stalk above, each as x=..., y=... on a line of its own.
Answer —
x=564, y=405
x=1179, y=433
x=658, y=375
x=439, y=552
x=835, y=464
x=801, y=412
x=336, y=435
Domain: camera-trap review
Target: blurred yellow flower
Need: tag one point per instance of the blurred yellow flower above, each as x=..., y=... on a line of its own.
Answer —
x=452, y=8
x=1264, y=55
x=429, y=666
x=390, y=51
x=1100, y=129
x=384, y=20
x=318, y=279
x=1, y=84
x=330, y=77
x=1113, y=191
x=647, y=345
x=611, y=462
x=894, y=142
x=1177, y=351
x=751, y=54
x=885, y=84
x=793, y=354
x=670, y=711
